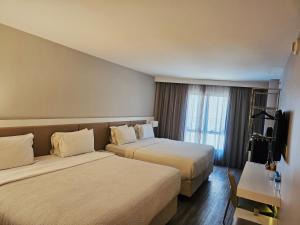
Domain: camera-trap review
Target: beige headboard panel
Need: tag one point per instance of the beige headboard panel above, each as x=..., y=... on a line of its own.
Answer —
x=42, y=134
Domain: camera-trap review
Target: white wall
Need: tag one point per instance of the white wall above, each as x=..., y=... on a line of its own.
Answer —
x=290, y=101
x=42, y=79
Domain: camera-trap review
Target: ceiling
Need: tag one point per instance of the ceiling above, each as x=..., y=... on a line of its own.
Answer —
x=202, y=39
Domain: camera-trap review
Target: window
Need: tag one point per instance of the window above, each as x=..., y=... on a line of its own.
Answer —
x=206, y=115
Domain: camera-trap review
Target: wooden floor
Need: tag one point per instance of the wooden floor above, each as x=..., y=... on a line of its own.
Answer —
x=207, y=205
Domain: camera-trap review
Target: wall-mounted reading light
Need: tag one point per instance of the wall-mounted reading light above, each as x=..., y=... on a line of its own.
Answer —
x=296, y=47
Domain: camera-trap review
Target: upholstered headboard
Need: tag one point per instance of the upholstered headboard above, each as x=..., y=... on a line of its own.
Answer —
x=42, y=134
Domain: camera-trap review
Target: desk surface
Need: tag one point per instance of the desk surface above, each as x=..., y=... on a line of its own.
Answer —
x=255, y=184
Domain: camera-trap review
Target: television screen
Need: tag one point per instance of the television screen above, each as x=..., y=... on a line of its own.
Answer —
x=281, y=128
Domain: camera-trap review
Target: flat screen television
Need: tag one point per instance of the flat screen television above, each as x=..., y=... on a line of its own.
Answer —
x=281, y=129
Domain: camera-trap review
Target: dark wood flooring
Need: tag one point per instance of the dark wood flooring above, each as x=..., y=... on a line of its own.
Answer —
x=207, y=205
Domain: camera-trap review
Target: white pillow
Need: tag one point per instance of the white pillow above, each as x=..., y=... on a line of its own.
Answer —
x=16, y=151
x=137, y=128
x=55, y=137
x=113, y=135
x=125, y=135
x=75, y=143
x=144, y=131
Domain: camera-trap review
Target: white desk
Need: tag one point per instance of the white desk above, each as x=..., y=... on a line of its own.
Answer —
x=255, y=184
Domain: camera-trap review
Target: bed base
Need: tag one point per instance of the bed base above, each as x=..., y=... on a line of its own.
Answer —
x=189, y=187
x=164, y=216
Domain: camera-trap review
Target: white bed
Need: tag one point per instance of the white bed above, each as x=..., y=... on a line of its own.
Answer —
x=195, y=161
x=88, y=189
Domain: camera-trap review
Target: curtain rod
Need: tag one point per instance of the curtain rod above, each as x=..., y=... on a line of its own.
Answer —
x=250, y=84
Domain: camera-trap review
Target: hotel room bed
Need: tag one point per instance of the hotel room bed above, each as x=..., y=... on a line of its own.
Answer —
x=195, y=161
x=88, y=189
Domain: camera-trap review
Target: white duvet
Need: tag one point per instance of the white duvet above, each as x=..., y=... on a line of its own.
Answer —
x=191, y=159
x=90, y=189
x=47, y=164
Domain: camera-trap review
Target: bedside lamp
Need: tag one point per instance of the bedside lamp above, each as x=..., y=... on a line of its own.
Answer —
x=154, y=123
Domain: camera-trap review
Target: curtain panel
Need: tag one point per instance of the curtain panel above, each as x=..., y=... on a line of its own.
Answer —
x=236, y=126
x=170, y=109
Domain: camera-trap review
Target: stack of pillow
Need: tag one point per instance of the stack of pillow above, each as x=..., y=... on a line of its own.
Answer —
x=144, y=131
x=124, y=134
x=66, y=144
x=16, y=151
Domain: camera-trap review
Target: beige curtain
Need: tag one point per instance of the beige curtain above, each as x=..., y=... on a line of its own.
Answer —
x=170, y=109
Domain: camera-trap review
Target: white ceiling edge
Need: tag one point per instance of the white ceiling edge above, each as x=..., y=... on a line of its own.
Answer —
x=250, y=84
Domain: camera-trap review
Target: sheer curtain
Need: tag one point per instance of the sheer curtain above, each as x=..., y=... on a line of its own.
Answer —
x=206, y=115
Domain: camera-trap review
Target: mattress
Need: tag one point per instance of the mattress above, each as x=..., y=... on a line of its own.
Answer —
x=93, y=188
x=191, y=159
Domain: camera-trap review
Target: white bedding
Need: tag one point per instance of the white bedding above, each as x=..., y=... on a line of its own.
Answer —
x=191, y=159
x=47, y=164
x=89, y=189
